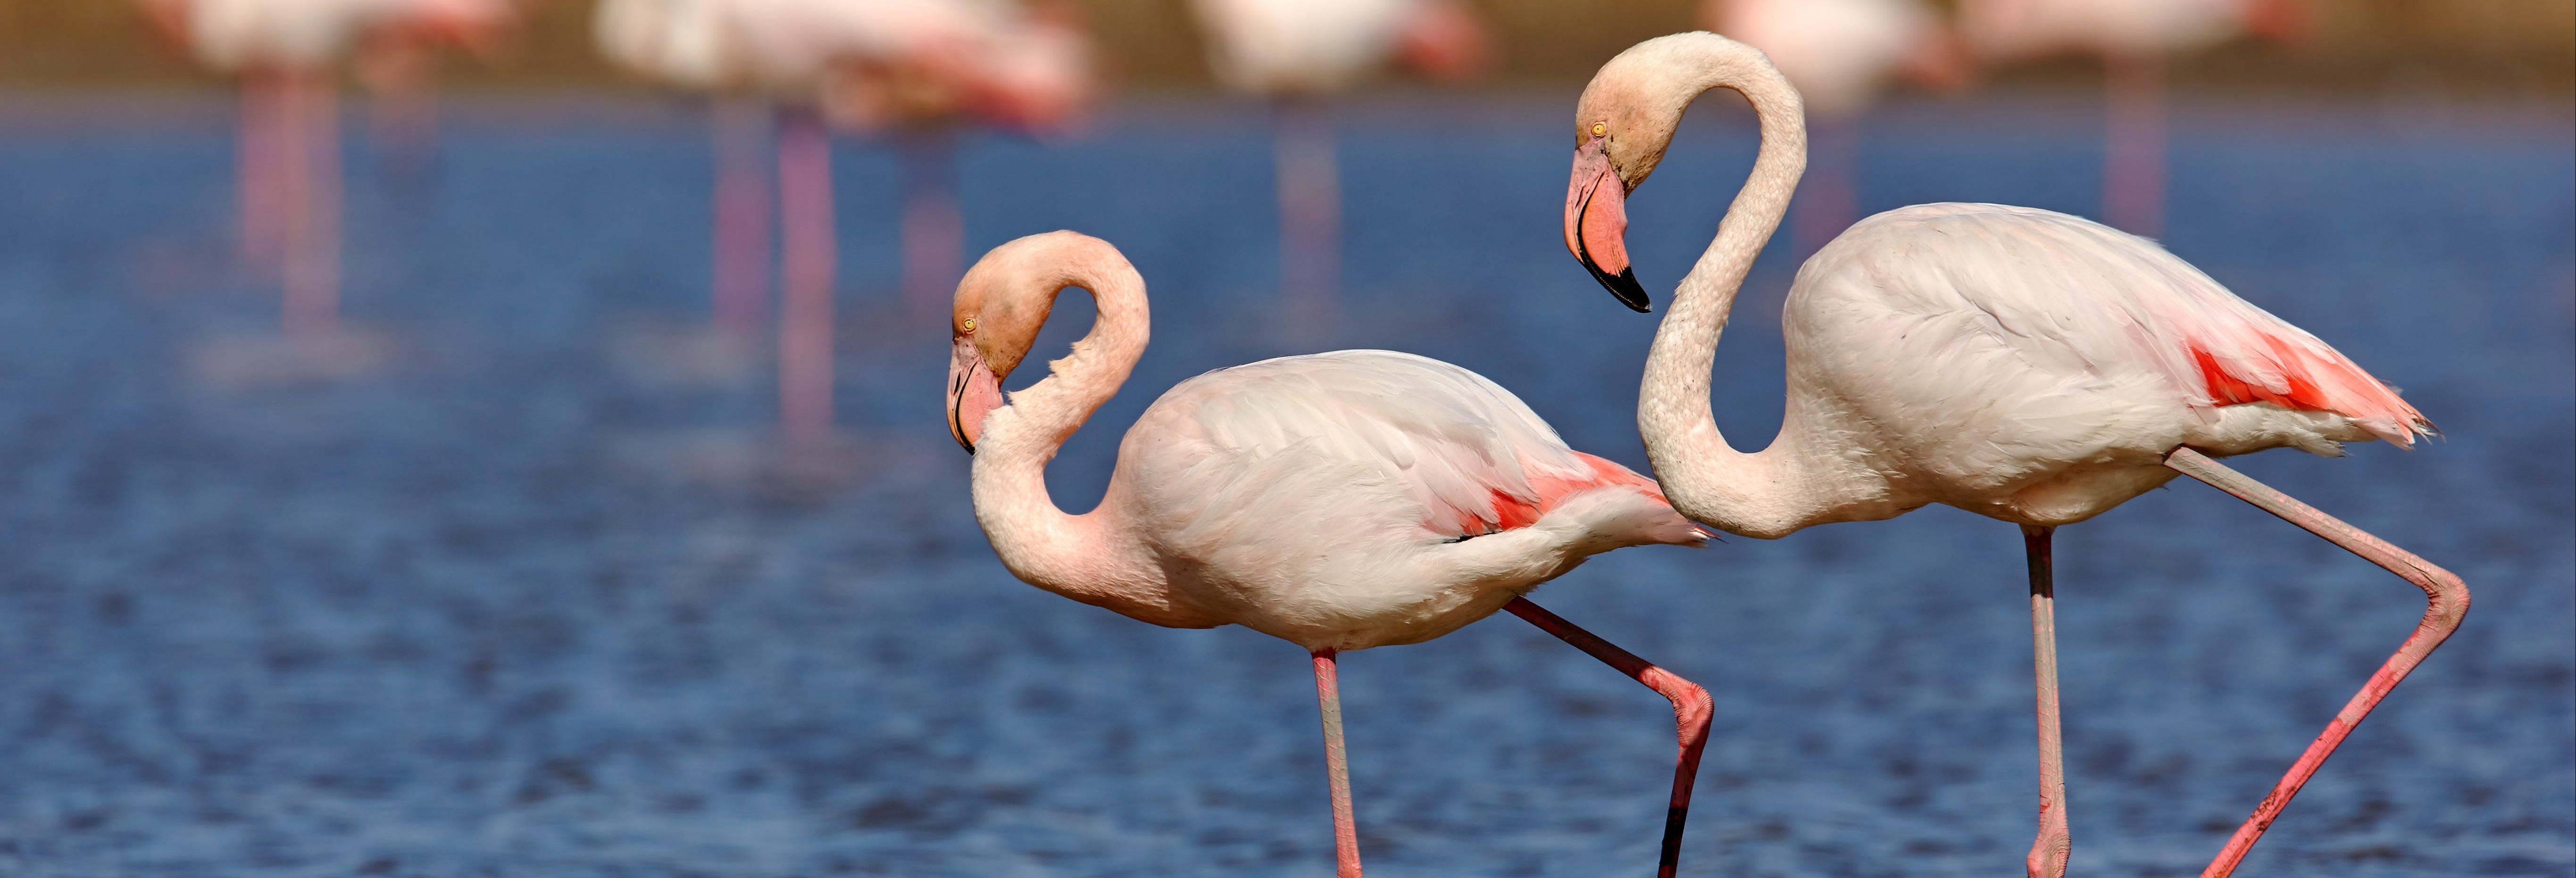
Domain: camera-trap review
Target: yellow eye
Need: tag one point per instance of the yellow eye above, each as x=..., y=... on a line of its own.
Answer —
x=968, y=326
x=1598, y=128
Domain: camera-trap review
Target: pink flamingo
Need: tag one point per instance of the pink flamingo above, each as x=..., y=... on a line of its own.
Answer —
x=1338, y=501
x=2132, y=37
x=1840, y=54
x=872, y=63
x=1296, y=52
x=288, y=157
x=2024, y=365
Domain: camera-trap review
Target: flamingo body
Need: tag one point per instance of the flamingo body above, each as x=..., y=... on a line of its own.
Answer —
x=2023, y=28
x=1839, y=53
x=1441, y=496
x=303, y=34
x=2037, y=367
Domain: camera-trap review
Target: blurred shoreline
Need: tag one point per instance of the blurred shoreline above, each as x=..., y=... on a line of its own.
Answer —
x=2028, y=108
x=2514, y=48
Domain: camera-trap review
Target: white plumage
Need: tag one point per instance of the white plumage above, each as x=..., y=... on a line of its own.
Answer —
x=1300, y=46
x=1323, y=499
x=2024, y=28
x=232, y=35
x=2037, y=367
x=1839, y=53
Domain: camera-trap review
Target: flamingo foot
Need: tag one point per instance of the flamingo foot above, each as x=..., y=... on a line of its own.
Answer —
x=1692, y=713
x=2446, y=601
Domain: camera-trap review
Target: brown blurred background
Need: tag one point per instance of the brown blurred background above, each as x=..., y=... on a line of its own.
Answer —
x=2463, y=48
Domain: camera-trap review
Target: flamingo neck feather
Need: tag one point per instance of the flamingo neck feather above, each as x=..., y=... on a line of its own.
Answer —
x=1786, y=486
x=1093, y=557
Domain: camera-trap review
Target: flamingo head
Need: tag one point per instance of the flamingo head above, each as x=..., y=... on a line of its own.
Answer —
x=1622, y=125
x=1001, y=304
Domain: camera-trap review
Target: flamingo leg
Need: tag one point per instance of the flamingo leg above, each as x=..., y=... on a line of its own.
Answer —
x=2133, y=178
x=934, y=228
x=738, y=129
x=1692, y=712
x=806, y=246
x=1337, y=769
x=1310, y=210
x=310, y=166
x=2049, y=851
x=257, y=175
x=2446, y=602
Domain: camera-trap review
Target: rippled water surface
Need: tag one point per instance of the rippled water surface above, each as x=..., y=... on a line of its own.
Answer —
x=516, y=585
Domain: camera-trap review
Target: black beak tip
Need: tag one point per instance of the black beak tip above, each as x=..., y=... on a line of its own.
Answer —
x=1623, y=285
x=1630, y=293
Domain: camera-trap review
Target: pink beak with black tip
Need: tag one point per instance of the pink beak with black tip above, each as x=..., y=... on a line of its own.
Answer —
x=973, y=392
x=1596, y=224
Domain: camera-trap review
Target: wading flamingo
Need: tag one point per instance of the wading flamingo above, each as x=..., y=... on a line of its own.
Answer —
x=1298, y=52
x=1338, y=501
x=2024, y=365
x=287, y=158
x=1840, y=54
x=899, y=61
x=2132, y=37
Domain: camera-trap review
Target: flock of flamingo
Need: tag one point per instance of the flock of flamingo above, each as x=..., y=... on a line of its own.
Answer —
x=2029, y=366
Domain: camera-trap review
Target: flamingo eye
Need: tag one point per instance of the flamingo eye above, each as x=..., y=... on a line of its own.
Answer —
x=1598, y=128
x=968, y=326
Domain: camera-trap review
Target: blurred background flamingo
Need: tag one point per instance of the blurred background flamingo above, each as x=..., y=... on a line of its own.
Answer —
x=287, y=158
x=2133, y=38
x=914, y=68
x=1296, y=53
x=1841, y=54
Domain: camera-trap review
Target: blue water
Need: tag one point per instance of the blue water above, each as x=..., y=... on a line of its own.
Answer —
x=526, y=599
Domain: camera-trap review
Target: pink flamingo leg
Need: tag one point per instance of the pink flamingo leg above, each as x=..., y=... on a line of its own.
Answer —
x=2446, y=602
x=2133, y=179
x=738, y=133
x=311, y=170
x=1310, y=210
x=806, y=246
x=1828, y=198
x=2048, y=852
x=256, y=160
x=1692, y=712
x=934, y=229
x=1337, y=769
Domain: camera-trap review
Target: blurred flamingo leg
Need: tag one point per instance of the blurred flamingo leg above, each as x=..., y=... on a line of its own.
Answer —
x=2446, y=602
x=310, y=220
x=1310, y=210
x=934, y=228
x=2133, y=171
x=739, y=133
x=1692, y=713
x=806, y=247
x=1829, y=197
x=259, y=179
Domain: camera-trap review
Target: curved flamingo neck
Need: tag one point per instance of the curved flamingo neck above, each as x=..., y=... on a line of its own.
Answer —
x=1093, y=557
x=1779, y=489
